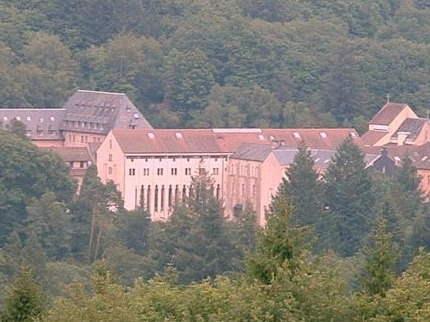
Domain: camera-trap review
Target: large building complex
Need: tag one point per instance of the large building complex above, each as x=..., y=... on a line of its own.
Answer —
x=76, y=130
x=154, y=168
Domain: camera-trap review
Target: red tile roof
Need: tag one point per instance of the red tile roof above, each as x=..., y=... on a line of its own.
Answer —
x=314, y=138
x=225, y=140
x=388, y=113
x=372, y=137
x=70, y=154
x=156, y=141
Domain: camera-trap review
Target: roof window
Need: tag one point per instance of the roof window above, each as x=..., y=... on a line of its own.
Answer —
x=353, y=135
x=4, y=118
x=261, y=137
x=297, y=135
x=18, y=118
x=323, y=135
x=136, y=116
x=52, y=118
x=41, y=120
x=178, y=135
x=151, y=135
x=28, y=118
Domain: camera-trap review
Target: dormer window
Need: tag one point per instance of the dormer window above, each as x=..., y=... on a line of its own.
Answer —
x=297, y=135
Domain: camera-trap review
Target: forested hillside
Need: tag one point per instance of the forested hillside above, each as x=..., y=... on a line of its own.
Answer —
x=244, y=63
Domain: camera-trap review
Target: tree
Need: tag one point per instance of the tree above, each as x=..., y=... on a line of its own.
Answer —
x=50, y=220
x=195, y=239
x=380, y=258
x=348, y=199
x=189, y=77
x=280, y=247
x=408, y=299
x=48, y=73
x=27, y=172
x=303, y=189
x=24, y=302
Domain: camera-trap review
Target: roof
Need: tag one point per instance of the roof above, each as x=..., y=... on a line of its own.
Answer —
x=159, y=141
x=252, y=152
x=229, y=140
x=226, y=141
x=72, y=154
x=412, y=127
x=420, y=155
x=370, y=138
x=41, y=124
x=321, y=138
x=322, y=157
x=388, y=113
x=99, y=112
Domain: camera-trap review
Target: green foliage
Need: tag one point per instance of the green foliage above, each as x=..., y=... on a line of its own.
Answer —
x=27, y=172
x=348, y=199
x=281, y=246
x=303, y=189
x=408, y=298
x=195, y=239
x=380, y=257
x=50, y=221
x=24, y=301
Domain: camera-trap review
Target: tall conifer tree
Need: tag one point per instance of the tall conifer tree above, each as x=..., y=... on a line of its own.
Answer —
x=302, y=189
x=348, y=199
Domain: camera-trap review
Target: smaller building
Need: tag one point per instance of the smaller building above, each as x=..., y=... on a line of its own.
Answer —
x=77, y=158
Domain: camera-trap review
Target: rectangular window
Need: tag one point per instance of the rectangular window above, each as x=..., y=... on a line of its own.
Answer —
x=110, y=170
x=160, y=171
x=174, y=171
x=82, y=164
x=146, y=171
x=215, y=171
x=110, y=157
x=131, y=171
x=187, y=171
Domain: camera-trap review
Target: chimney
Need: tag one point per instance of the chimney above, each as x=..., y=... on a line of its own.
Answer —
x=401, y=137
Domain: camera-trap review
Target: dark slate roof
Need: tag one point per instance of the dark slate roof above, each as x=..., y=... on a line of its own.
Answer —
x=99, y=112
x=420, y=154
x=252, y=152
x=412, y=127
x=387, y=113
x=322, y=157
x=41, y=124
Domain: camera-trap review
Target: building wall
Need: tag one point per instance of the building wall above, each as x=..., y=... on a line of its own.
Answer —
x=254, y=183
x=111, y=162
x=242, y=186
x=424, y=174
x=272, y=173
x=158, y=181
x=76, y=138
x=48, y=143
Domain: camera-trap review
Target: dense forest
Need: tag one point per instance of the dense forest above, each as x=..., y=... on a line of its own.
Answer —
x=226, y=63
x=346, y=246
